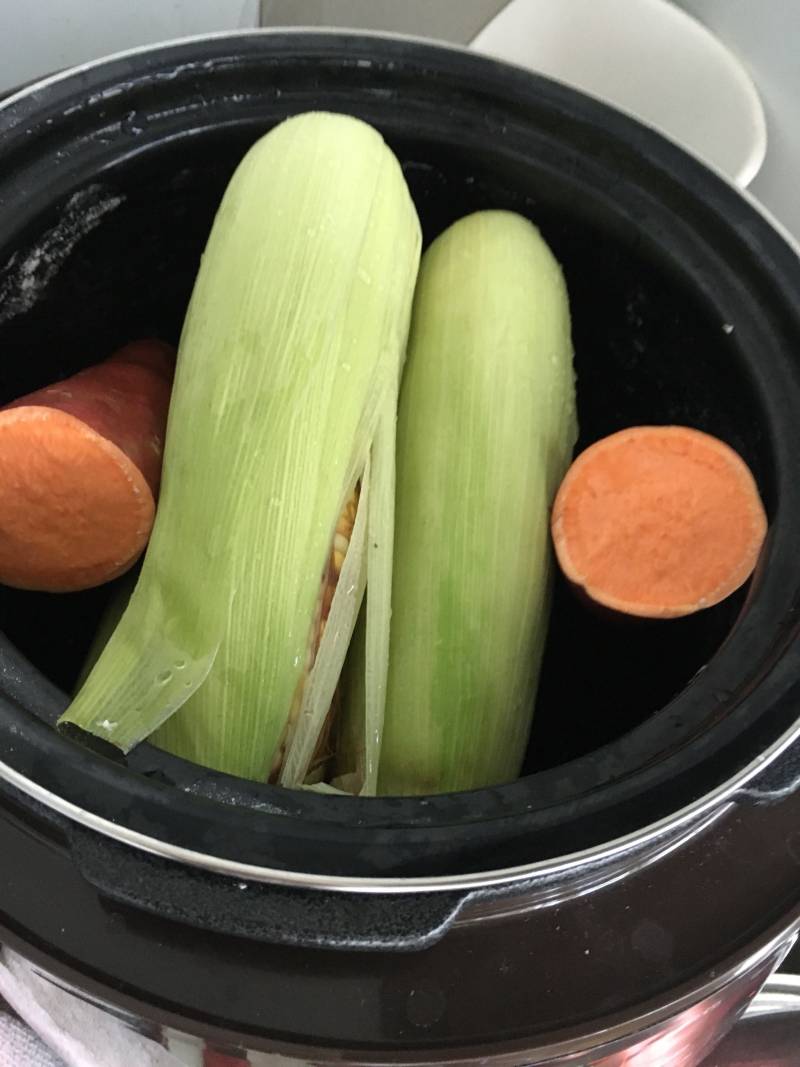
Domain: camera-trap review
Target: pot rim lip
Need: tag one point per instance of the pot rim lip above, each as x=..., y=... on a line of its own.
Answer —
x=506, y=877
x=741, y=182
x=487, y=879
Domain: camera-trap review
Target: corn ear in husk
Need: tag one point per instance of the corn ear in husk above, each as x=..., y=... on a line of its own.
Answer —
x=486, y=429
x=291, y=346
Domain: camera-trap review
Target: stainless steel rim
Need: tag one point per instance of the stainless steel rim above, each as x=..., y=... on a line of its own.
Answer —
x=344, y=883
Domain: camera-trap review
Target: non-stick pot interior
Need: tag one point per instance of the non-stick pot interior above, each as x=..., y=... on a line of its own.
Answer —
x=659, y=338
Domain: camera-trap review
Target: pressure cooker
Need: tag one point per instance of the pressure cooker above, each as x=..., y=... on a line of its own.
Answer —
x=627, y=897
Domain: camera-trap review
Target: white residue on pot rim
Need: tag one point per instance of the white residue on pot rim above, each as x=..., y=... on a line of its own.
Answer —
x=26, y=275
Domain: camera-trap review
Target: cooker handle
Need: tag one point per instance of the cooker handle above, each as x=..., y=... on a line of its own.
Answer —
x=777, y=781
x=275, y=914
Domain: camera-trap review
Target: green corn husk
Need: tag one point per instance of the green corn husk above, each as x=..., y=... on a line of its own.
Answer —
x=485, y=432
x=350, y=746
x=292, y=344
x=114, y=611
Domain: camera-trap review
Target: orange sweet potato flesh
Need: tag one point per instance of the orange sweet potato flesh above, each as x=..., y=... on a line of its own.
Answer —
x=658, y=522
x=80, y=467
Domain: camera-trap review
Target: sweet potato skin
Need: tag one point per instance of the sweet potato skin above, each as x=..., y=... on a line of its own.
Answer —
x=80, y=468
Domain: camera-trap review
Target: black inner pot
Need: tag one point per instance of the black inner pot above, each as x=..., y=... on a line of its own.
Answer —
x=647, y=350
x=683, y=312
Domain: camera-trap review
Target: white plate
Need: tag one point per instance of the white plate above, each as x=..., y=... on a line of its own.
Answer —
x=647, y=58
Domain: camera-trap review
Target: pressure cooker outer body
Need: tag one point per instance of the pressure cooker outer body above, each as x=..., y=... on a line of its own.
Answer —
x=768, y=1034
x=684, y=1040
x=665, y=956
x=617, y=900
